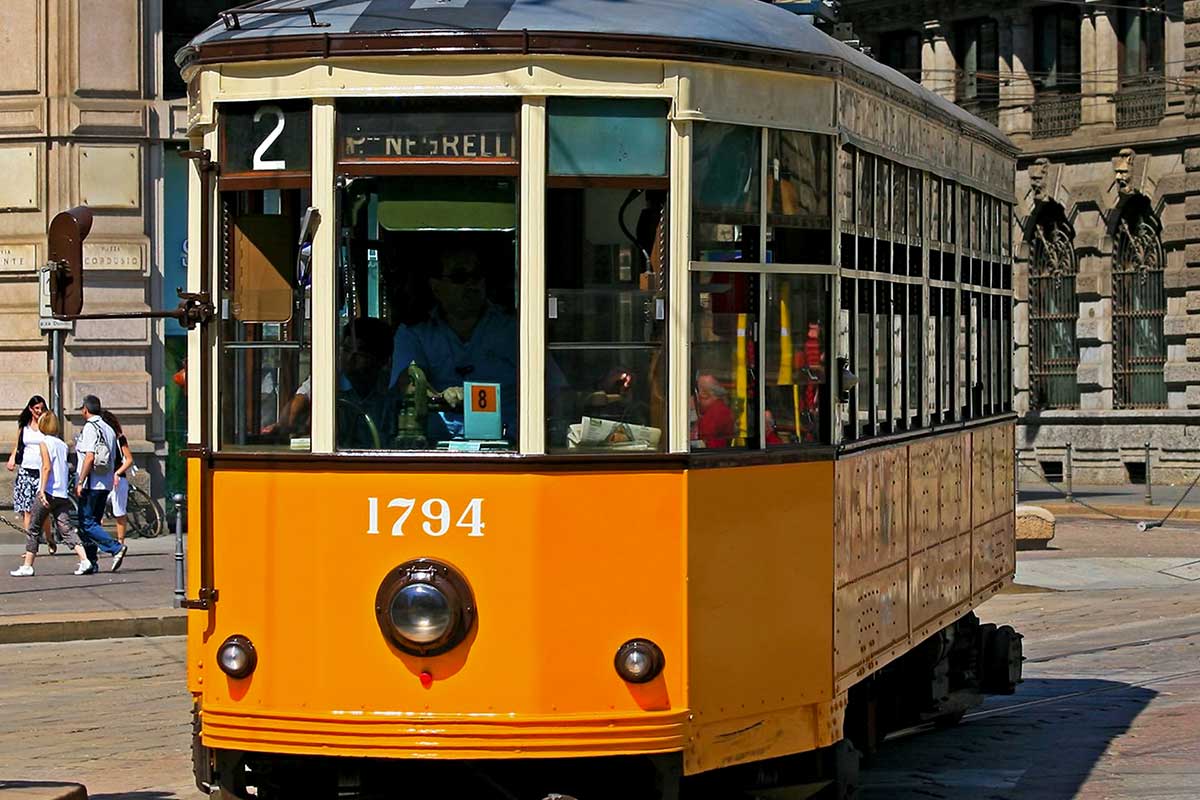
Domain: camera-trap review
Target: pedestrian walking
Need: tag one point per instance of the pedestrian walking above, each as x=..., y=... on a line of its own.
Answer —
x=95, y=451
x=51, y=499
x=125, y=470
x=26, y=461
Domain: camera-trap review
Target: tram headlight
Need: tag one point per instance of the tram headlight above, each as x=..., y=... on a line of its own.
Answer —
x=639, y=661
x=420, y=613
x=237, y=657
x=425, y=607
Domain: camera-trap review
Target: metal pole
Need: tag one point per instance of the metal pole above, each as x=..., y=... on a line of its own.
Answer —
x=1070, y=474
x=1149, y=482
x=180, y=575
x=56, y=368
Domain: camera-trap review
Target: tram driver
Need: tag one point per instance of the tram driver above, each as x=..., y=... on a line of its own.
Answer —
x=465, y=338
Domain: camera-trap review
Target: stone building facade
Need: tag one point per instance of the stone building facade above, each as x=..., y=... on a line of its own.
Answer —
x=1102, y=99
x=92, y=111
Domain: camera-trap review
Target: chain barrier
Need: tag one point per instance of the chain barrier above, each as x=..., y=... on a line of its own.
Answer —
x=1142, y=525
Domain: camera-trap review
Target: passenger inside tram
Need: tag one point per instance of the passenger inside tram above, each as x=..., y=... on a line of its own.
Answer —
x=464, y=337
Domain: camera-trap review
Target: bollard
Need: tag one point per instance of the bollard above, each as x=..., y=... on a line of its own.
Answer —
x=1149, y=484
x=1070, y=474
x=180, y=575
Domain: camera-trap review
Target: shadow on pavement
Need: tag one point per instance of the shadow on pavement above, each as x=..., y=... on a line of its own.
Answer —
x=1039, y=744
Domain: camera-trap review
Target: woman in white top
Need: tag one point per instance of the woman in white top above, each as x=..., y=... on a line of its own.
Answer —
x=26, y=459
x=52, y=499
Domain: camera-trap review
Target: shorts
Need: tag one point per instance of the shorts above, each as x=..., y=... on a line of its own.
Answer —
x=25, y=490
x=120, y=497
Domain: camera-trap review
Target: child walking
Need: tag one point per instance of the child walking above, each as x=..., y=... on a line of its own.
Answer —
x=51, y=500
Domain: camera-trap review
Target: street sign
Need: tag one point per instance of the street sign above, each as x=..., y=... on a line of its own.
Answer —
x=46, y=320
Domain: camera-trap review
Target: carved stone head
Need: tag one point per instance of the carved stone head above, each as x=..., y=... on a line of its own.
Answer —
x=1123, y=169
x=1038, y=172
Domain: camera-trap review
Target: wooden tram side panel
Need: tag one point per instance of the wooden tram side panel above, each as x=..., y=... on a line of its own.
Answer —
x=923, y=533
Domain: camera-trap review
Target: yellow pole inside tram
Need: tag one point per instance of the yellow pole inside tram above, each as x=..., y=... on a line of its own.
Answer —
x=740, y=387
x=787, y=352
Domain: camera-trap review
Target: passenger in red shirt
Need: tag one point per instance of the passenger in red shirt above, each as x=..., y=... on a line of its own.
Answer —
x=715, y=426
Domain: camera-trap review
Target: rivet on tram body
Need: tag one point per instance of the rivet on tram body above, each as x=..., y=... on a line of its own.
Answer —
x=426, y=679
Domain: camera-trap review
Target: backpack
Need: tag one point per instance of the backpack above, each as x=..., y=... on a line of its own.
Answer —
x=102, y=457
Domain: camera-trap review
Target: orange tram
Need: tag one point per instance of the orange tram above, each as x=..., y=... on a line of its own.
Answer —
x=592, y=398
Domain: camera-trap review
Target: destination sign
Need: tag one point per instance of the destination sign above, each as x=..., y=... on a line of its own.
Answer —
x=463, y=145
x=404, y=132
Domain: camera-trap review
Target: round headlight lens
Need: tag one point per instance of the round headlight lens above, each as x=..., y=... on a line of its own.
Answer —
x=237, y=657
x=639, y=661
x=421, y=613
x=425, y=607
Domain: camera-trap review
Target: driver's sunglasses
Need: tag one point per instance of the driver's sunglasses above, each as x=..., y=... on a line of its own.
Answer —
x=462, y=277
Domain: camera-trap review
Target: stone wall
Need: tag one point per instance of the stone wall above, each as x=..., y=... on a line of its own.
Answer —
x=81, y=122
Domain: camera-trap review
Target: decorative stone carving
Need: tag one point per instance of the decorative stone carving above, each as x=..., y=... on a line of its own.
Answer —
x=1123, y=169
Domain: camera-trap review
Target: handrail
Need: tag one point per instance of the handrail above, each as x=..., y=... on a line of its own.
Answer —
x=233, y=23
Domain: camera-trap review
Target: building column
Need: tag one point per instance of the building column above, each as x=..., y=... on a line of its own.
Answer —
x=1190, y=324
x=1098, y=60
x=1016, y=57
x=937, y=61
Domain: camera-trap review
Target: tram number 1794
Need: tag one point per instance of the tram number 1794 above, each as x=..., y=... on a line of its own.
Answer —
x=436, y=513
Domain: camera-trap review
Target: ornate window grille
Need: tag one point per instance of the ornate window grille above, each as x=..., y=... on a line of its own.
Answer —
x=1141, y=106
x=1139, y=307
x=1053, y=309
x=1056, y=116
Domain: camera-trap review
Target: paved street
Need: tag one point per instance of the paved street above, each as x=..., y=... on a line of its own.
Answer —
x=1107, y=710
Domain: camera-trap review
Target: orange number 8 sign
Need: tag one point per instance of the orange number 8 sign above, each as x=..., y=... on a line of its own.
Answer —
x=483, y=398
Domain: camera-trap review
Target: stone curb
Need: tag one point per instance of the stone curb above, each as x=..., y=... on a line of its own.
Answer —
x=1137, y=513
x=28, y=628
x=40, y=790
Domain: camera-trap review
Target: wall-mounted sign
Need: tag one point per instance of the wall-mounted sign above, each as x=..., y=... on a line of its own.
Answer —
x=17, y=257
x=112, y=256
x=374, y=130
x=266, y=137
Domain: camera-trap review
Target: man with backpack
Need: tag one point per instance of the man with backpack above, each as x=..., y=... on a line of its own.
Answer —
x=95, y=453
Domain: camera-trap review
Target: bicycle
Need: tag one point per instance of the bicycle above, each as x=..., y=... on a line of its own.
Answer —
x=144, y=516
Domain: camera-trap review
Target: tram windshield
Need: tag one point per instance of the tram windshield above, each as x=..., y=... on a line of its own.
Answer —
x=427, y=355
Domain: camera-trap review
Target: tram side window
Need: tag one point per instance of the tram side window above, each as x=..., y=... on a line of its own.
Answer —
x=427, y=275
x=606, y=261
x=726, y=175
x=723, y=406
x=265, y=330
x=799, y=225
x=795, y=336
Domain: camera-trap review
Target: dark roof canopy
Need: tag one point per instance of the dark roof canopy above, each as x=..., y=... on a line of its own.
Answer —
x=752, y=26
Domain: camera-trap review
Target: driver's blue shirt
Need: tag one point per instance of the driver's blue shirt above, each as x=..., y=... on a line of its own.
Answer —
x=488, y=356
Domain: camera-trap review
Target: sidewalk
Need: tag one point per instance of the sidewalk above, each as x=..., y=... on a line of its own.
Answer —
x=55, y=605
x=1127, y=501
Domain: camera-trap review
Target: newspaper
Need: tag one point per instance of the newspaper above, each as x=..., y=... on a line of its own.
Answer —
x=612, y=435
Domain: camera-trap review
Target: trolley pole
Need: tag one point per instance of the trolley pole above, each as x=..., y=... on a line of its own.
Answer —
x=1070, y=474
x=180, y=574
x=1149, y=482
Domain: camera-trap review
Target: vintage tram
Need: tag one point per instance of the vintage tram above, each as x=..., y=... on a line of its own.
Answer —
x=586, y=397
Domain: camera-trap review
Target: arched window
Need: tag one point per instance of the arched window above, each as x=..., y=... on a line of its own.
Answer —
x=1139, y=306
x=1053, y=309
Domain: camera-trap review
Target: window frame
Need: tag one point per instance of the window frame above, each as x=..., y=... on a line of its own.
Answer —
x=760, y=269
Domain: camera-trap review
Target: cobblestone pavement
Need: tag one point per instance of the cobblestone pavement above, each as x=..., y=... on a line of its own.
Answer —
x=112, y=714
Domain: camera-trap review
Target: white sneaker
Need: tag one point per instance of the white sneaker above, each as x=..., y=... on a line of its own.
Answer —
x=23, y=571
x=84, y=568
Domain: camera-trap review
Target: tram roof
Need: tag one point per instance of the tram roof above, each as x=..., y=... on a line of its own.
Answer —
x=750, y=32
